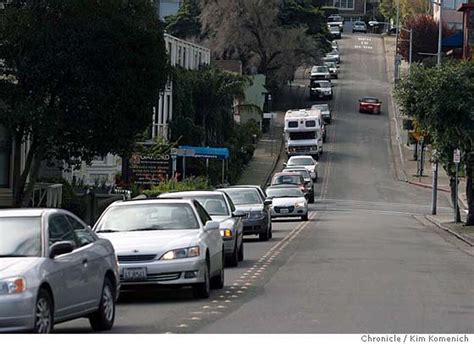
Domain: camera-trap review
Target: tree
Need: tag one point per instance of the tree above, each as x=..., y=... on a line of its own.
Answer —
x=440, y=99
x=425, y=37
x=79, y=79
x=408, y=8
x=185, y=24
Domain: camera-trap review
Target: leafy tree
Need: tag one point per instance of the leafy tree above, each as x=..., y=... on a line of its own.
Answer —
x=185, y=24
x=425, y=36
x=78, y=79
x=440, y=100
x=408, y=8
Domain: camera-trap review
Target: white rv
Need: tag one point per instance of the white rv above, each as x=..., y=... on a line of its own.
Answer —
x=303, y=132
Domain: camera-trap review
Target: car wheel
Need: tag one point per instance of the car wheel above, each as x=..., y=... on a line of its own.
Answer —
x=103, y=318
x=218, y=281
x=304, y=217
x=203, y=290
x=265, y=235
x=311, y=198
x=316, y=178
x=43, y=313
x=270, y=230
x=241, y=251
x=234, y=259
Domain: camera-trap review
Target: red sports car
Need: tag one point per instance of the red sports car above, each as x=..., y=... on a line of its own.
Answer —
x=370, y=104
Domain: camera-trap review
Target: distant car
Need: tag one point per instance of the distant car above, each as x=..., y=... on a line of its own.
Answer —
x=307, y=161
x=291, y=178
x=325, y=112
x=370, y=104
x=331, y=58
x=165, y=243
x=53, y=268
x=333, y=69
x=256, y=187
x=320, y=73
x=359, y=26
x=320, y=89
x=221, y=208
x=287, y=201
x=307, y=179
x=334, y=54
x=257, y=220
x=335, y=31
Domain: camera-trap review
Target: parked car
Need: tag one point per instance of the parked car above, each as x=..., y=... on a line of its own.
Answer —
x=359, y=26
x=335, y=31
x=53, y=269
x=333, y=69
x=165, y=242
x=291, y=178
x=221, y=208
x=257, y=220
x=325, y=112
x=307, y=179
x=336, y=19
x=320, y=73
x=370, y=104
x=307, y=161
x=320, y=89
x=334, y=54
x=330, y=58
x=287, y=201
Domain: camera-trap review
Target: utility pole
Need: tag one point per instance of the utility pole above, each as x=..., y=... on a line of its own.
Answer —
x=396, y=42
x=440, y=31
x=411, y=51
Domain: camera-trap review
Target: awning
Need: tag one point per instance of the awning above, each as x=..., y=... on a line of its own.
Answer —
x=453, y=41
x=202, y=152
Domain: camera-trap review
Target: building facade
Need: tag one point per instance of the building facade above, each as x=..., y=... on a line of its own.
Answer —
x=467, y=10
x=349, y=8
x=450, y=16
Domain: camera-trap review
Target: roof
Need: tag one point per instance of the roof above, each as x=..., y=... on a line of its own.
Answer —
x=30, y=212
x=284, y=186
x=149, y=201
x=184, y=194
x=286, y=174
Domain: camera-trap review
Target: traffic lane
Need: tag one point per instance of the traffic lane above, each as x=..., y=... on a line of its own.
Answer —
x=164, y=310
x=357, y=272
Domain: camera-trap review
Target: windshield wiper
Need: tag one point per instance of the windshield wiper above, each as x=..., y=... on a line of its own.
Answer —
x=107, y=231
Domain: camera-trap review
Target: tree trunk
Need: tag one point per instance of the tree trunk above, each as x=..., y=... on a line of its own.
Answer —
x=452, y=185
x=470, y=194
x=22, y=176
x=32, y=181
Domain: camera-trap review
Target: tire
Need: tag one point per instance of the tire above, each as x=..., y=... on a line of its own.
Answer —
x=203, y=290
x=241, y=251
x=311, y=198
x=270, y=230
x=43, y=313
x=218, y=282
x=316, y=179
x=103, y=319
x=264, y=236
x=234, y=259
x=305, y=217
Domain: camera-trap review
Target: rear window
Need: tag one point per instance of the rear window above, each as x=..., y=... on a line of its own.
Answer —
x=310, y=124
x=293, y=124
x=287, y=180
x=308, y=135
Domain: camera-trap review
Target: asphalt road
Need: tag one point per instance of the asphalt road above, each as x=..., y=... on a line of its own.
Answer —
x=365, y=262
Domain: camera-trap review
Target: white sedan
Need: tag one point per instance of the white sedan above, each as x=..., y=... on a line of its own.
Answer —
x=307, y=161
x=165, y=242
x=287, y=201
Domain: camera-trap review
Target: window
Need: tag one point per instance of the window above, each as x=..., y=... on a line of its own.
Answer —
x=293, y=124
x=308, y=135
x=453, y=4
x=203, y=215
x=59, y=229
x=310, y=124
x=344, y=4
x=83, y=235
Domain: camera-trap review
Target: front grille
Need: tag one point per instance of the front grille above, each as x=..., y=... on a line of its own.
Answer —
x=278, y=209
x=163, y=277
x=136, y=258
x=302, y=148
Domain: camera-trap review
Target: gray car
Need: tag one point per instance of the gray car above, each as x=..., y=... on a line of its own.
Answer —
x=221, y=208
x=307, y=179
x=53, y=268
x=257, y=220
x=287, y=201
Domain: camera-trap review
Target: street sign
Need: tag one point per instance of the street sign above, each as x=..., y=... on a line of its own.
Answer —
x=457, y=156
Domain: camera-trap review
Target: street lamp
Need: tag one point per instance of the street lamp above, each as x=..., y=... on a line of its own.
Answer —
x=440, y=28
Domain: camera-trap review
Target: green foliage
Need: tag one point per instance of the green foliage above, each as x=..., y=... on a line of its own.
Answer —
x=86, y=72
x=185, y=23
x=172, y=185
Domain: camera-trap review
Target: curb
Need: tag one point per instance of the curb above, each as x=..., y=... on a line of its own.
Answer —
x=275, y=163
x=428, y=186
x=457, y=235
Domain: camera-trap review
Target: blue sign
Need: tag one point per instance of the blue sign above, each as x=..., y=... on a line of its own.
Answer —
x=206, y=152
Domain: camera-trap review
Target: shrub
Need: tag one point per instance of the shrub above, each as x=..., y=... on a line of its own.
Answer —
x=189, y=184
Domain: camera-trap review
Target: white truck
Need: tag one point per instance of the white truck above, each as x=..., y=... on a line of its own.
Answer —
x=304, y=132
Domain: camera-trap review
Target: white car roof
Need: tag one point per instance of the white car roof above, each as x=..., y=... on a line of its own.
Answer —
x=33, y=212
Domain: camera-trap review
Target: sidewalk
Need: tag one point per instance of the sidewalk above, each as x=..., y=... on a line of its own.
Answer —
x=408, y=167
x=266, y=156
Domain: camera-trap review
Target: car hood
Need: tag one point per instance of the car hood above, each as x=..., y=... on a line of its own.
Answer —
x=249, y=207
x=17, y=266
x=287, y=201
x=225, y=221
x=152, y=242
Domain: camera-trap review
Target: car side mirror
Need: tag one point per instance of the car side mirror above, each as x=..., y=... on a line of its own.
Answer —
x=59, y=248
x=267, y=202
x=239, y=213
x=212, y=226
x=285, y=164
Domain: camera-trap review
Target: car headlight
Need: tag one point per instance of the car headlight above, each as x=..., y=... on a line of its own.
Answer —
x=226, y=233
x=300, y=205
x=182, y=253
x=14, y=285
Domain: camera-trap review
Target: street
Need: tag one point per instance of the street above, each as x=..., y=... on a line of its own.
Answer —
x=365, y=262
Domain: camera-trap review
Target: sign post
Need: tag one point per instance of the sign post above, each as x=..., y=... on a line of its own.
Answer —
x=434, y=194
x=457, y=160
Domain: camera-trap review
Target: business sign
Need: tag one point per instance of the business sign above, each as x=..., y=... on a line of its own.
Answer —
x=149, y=170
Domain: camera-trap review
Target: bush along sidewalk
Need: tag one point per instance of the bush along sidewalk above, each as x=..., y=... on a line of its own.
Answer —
x=173, y=185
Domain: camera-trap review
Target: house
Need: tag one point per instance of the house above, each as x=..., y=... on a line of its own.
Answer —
x=467, y=11
x=450, y=15
x=252, y=105
x=350, y=9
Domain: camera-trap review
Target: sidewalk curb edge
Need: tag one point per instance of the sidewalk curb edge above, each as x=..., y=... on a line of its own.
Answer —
x=457, y=235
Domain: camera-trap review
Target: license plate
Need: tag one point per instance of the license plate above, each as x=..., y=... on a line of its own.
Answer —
x=284, y=211
x=134, y=274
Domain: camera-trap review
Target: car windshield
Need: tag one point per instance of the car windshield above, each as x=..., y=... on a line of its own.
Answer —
x=322, y=107
x=301, y=161
x=304, y=173
x=370, y=100
x=286, y=179
x=214, y=204
x=360, y=23
x=331, y=64
x=321, y=84
x=20, y=237
x=244, y=196
x=284, y=192
x=145, y=217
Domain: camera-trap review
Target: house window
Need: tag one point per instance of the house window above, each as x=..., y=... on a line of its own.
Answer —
x=344, y=4
x=453, y=4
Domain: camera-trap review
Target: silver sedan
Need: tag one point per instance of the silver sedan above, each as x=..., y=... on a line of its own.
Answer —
x=53, y=269
x=287, y=201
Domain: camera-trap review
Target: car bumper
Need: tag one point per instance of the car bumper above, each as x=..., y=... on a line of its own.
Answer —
x=17, y=311
x=292, y=212
x=166, y=273
x=229, y=246
x=255, y=226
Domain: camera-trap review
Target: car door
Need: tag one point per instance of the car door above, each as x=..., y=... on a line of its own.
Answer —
x=67, y=277
x=213, y=240
x=94, y=259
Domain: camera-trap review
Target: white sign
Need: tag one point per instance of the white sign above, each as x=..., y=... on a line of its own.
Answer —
x=457, y=156
x=269, y=115
x=434, y=167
